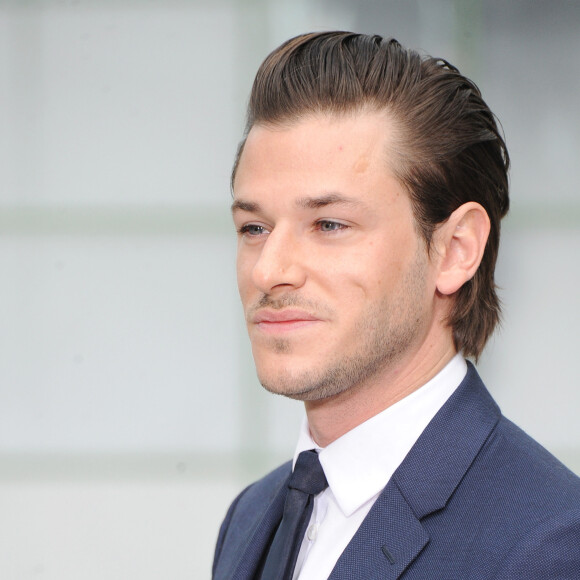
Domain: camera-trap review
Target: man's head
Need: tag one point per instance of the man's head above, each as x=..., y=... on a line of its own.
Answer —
x=444, y=147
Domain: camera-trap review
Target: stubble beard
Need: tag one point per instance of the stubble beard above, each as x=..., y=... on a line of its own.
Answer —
x=384, y=334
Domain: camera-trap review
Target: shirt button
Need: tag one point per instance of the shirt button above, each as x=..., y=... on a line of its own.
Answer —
x=312, y=532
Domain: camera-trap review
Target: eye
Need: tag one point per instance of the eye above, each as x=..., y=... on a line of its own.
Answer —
x=330, y=226
x=252, y=230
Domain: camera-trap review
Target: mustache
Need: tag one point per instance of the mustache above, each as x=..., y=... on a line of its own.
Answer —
x=286, y=301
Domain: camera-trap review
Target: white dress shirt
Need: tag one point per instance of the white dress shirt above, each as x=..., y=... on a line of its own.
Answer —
x=358, y=466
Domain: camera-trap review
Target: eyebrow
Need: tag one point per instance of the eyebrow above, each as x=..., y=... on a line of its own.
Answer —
x=327, y=199
x=304, y=202
x=241, y=205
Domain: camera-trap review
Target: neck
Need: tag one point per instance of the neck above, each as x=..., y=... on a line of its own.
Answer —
x=331, y=418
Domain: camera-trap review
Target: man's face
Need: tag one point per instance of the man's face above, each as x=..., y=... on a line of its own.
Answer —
x=335, y=282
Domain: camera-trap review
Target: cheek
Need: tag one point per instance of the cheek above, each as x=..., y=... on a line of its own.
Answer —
x=355, y=285
x=374, y=270
x=244, y=274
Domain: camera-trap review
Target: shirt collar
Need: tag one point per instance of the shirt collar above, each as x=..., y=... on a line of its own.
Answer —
x=359, y=464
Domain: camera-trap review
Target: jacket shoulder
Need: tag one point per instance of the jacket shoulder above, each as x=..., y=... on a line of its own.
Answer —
x=488, y=496
x=538, y=478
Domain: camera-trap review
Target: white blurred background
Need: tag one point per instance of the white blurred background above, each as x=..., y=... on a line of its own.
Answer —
x=130, y=415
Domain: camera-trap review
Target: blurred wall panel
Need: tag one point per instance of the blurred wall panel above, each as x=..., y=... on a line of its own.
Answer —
x=124, y=103
x=110, y=344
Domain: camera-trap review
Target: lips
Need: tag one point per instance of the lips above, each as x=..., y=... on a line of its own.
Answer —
x=283, y=320
x=278, y=316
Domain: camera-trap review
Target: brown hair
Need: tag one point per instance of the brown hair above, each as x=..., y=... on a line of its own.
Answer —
x=447, y=146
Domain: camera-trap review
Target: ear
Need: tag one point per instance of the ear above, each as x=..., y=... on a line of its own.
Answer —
x=460, y=243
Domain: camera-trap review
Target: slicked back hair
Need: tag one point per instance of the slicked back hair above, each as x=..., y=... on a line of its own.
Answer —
x=446, y=149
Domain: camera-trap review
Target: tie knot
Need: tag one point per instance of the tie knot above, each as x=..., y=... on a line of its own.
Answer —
x=308, y=475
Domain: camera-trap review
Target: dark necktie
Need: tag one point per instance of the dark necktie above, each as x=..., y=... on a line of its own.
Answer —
x=306, y=481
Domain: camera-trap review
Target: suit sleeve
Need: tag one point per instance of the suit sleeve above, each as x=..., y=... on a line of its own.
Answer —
x=550, y=551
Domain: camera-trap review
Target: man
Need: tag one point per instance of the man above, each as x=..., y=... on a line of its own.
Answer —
x=368, y=194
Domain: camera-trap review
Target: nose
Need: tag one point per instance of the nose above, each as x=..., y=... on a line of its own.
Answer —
x=280, y=264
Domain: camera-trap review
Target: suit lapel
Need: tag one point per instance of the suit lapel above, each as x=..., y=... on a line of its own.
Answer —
x=392, y=535
x=258, y=537
x=384, y=545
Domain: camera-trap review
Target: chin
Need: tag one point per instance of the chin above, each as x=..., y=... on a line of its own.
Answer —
x=308, y=387
x=283, y=384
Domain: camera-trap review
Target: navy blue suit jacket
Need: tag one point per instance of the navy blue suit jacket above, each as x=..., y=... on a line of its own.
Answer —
x=474, y=499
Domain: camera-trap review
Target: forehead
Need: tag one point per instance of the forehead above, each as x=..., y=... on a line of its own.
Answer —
x=341, y=163
x=325, y=147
